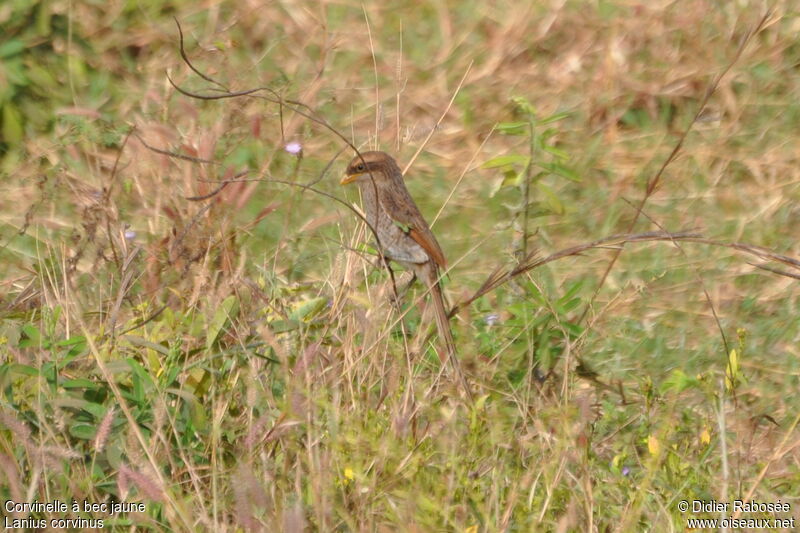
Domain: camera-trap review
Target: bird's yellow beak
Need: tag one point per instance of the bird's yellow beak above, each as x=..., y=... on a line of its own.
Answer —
x=349, y=178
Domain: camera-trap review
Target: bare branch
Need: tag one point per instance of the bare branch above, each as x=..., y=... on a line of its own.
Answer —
x=653, y=182
x=503, y=274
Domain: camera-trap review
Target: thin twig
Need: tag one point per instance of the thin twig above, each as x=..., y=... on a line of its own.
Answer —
x=461, y=176
x=441, y=118
x=375, y=72
x=654, y=181
x=699, y=279
x=505, y=273
x=218, y=190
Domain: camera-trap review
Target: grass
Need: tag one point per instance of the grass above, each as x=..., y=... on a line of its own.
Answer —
x=236, y=362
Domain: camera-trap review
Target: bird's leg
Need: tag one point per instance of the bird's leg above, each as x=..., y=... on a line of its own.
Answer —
x=381, y=261
x=407, y=286
x=398, y=296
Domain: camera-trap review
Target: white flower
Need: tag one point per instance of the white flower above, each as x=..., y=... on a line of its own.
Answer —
x=294, y=148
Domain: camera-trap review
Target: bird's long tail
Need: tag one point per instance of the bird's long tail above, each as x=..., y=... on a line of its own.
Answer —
x=445, y=333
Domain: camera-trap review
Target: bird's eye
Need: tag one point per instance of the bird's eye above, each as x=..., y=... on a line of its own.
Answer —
x=360, y=167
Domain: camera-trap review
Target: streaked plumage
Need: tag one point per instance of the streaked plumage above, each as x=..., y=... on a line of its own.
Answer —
x=403, y=235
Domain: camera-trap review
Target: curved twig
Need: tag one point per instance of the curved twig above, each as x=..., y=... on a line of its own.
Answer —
x=655, y=180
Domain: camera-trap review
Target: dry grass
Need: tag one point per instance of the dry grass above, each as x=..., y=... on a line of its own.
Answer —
x=237, y=362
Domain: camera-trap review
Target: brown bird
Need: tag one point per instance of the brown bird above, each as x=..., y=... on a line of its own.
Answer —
x=403, y=235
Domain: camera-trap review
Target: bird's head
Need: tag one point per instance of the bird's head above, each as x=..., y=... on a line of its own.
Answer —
x=377, y=166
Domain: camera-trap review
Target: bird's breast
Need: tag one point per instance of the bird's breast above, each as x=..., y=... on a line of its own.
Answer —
x=394, y=241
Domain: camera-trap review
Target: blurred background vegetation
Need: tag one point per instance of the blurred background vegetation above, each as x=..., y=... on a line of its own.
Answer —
x=235, y=362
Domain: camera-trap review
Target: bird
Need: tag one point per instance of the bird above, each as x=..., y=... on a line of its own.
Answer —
x=403, y=234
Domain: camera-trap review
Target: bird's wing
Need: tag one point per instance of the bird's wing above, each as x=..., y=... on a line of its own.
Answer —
x=400, y=207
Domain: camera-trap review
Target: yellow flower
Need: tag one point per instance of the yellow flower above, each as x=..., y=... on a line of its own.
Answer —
x=349, y=476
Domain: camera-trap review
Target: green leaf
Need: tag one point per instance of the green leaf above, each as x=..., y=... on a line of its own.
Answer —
x=15, y=72
x=115, y=455
x=561, y=154
x=11, y=48
x=82, y=430
x=95, y=409
x=506, y=160
x=12, y=124
x=566, y=172
x=678, y=381
x=142, y=383
x=480, y=402
x=307, y=310
x=573, y=329
x=40, y=77
x=30, y=338
x=550, y=198
x=222, y=316
x=25, y=370
x=553, y=118
x=197, y=413
x=513, y=128
x=79, y=383
x=566, y=307
x=139, y=341
x=120, y=366
x=561, y=170
x=70, y=402
x=78, y=339
x=510, y=178
x=76, y=345
x=24, y=246
x=535, y=293
x=282, y=326
x=572, y=291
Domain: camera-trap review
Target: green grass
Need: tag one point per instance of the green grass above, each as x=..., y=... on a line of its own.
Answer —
x=237, y=363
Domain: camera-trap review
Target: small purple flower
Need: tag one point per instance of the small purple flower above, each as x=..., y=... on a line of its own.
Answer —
x=130, y=234
x=294, y=148
x=492, y=319
x=626, y=470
